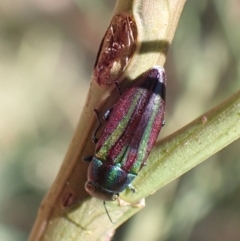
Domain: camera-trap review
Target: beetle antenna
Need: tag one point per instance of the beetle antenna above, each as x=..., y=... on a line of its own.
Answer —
x=118, y=87
x=104, y=204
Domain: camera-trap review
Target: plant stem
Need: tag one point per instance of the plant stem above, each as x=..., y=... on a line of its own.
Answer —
x=156, y=22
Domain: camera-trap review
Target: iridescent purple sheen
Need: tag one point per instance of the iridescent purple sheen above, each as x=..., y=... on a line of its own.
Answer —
x=128, y=136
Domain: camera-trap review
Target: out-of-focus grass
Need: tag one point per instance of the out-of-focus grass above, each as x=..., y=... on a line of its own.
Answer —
x=47, y=51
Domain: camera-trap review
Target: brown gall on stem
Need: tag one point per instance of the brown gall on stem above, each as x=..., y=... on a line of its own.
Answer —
x=116, y=49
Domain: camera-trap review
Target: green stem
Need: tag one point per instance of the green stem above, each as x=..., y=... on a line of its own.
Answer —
x=188, y=147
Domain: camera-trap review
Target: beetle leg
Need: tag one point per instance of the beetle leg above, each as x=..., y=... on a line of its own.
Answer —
x=118, y=87
x=107, y=114
x=163, y=123
x=94, y=138
x=87, y=158
x=132, y=188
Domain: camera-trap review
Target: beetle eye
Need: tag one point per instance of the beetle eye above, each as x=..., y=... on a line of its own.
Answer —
x=90, y=188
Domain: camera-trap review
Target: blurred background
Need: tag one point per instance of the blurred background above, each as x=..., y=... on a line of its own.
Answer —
x=47, y=53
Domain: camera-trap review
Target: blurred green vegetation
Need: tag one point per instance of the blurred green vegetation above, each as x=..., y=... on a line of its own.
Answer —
x=47, y=52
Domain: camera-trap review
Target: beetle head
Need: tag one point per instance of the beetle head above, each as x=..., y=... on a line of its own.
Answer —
x=96, y=191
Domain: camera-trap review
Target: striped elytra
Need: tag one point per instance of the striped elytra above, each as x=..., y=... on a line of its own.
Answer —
x=128, y=136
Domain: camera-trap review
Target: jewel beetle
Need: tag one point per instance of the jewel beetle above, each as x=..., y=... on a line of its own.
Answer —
x=131, y=129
